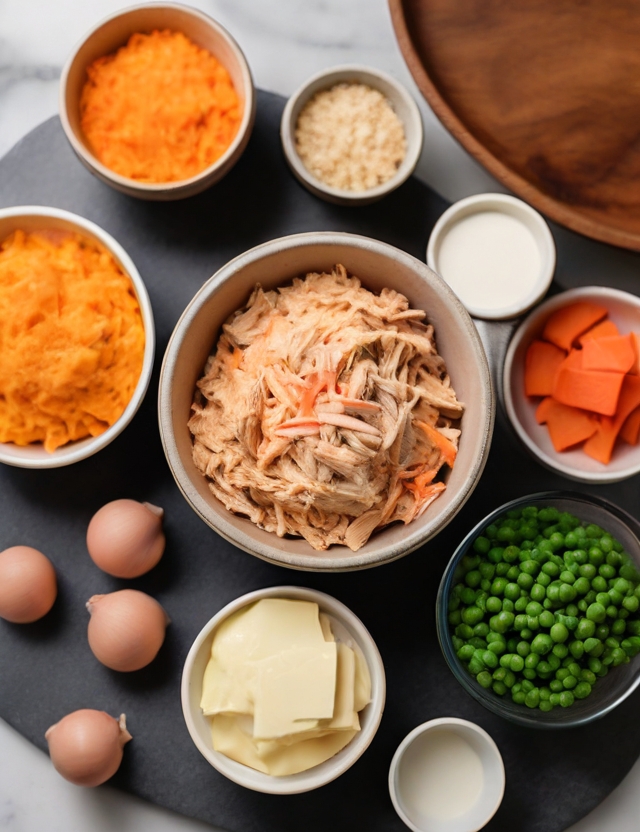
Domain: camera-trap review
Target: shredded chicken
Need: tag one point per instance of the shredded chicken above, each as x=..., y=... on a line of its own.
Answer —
x=326, y=412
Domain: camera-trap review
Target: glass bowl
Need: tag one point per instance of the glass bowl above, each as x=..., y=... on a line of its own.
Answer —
x=608, y=691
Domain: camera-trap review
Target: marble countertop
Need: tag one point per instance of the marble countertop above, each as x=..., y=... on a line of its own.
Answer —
x=285, y=41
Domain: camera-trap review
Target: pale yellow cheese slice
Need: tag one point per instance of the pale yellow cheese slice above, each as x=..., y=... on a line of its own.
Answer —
x=362, y=693
x=295, y=688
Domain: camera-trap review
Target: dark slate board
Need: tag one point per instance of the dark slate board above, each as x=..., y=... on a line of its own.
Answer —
x=47, y=670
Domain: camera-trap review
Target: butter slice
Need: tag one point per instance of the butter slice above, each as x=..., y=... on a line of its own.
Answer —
x=295, y=689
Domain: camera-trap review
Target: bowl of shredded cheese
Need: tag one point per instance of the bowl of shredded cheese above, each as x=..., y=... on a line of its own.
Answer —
x=158, y=101
x=77, y=335
x=351, y=134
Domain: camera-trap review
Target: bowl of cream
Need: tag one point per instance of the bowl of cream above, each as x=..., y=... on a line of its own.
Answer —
x=495, y=252
x=447, y=775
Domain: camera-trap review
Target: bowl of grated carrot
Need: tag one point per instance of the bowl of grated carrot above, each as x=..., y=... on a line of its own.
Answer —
x=158, y=101
x=77, y=335
x=571, y=384
x=325, y=402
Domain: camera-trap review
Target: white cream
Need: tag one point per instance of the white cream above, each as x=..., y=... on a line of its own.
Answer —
x=491, y=260
x=441, y=775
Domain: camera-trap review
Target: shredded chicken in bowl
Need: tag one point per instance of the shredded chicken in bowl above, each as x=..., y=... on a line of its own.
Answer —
x=326, y=412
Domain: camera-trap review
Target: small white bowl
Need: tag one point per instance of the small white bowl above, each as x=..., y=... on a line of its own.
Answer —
x=497, y=247
x=624, y=311
x=403, y=105
x=35, y=218
x=347, y=627
x=114, y=32
x=442, y=754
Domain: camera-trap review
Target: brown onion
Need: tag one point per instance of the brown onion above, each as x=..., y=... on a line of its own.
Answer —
x=126, y=629
x=28, y=584
x=125, y=538
x=86, y=746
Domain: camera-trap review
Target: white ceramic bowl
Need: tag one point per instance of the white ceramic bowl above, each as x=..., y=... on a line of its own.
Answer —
x=403, y=105
x=347, y=627
x=378, y=265
x=624, y=311
x=114, y=32
x=419, y=780
x=36, y=217
x=526, y=216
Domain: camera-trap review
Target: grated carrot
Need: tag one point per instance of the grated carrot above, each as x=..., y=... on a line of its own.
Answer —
x=71, y=339
x=160, y=109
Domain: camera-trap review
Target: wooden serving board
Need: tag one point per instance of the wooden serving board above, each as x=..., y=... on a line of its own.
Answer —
x=47, y=669
x=543, y=94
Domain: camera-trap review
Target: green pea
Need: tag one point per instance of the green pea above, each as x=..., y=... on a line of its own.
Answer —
x=602, y=631
x=556, y=686
x=550, y=569
x=500, y=688
x=566, y=593
x=495, y=554
x=481, y=545
x=586, y=628
x=484, y=679
x=516, y=664
x=599, y=584
x=519, y=697
x=475, y=666
x=560, y=650
x=587, y=675
x=545, y=705
x=596, y=612
x=465, y=652
x=534, y=608
x=526, y=634
x=521, y=604
x=537, y=593
x=512, y=591
x=523, y=649
x=631, y=603
x=559, y=633
x=505, y=660
x=531, y=661
x=566, y=699
x=464, y=631
x=468, y=596
x=569, y=682
x=554, y=700
x=541, y=644
x=619, y=656
x=532, y=698
x=546, y=619
x=543, y=579
x=567, y=577
x=588, y=570
x=595, y=665
x=606, y=571
x=577, y=649
x=582, y=690
x=554, y=661
x=582, y=586
x=490, y=659
x=511, y=554
x=494, y=604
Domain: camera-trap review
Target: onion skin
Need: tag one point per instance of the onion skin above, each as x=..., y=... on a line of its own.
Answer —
x=86, y=746
x=125, y=538
x=126, y=629
x=28, y=586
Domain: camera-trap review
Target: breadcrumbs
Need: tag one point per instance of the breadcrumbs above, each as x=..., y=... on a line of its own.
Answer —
x=350, y=138
x=160, y=109
x=71, y=339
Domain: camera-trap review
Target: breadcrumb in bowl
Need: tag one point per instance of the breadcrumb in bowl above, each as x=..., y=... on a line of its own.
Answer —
x=379, y=266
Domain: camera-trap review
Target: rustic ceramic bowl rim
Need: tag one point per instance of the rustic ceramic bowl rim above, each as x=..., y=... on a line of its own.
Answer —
x=151, y=188
x=333, y=767
x=413, y=127
x=509, y=395
x=76, y=451
x=498, y=784
x=413, y=537
x=509, y=205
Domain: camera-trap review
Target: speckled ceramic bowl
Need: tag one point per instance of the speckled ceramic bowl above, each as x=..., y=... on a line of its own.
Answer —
x=403, y=105
x=114, y=32
x=378, y=265
x=347, y=628
x=36, y=218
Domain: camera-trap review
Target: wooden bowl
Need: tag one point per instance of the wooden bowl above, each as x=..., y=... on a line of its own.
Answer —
x=113, y=33
x=544, y=95
x=378, y=265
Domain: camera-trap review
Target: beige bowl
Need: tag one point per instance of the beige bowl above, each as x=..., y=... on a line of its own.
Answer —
x=347, y=628
x=37, y=218
x=378, y=265
x=113, y=33
x=403, y=105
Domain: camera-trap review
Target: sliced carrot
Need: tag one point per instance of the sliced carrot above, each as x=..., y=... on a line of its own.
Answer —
x=600, y=445
x=604, y=328
x=613, y=353
x=444, y=445
x=630, y=431
x=594, y=390
x=325, y=380
x=635, y=340
x=542, y=411
x=573, y=360
x=567, y=324
x=568, y=426
x=541, y=362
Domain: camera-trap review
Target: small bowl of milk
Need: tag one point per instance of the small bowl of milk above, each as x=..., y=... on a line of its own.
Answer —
x=447, y=775
x=495, y=252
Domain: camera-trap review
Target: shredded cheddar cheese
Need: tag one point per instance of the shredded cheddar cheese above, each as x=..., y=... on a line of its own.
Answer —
x=160, y=109
x=71, y=339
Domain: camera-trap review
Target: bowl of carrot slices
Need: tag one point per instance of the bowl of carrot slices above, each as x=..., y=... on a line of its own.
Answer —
x=571, y=384
x=158, y=101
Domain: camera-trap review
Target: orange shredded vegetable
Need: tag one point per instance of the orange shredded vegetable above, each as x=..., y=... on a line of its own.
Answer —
x=71, y=339
x=160, y=109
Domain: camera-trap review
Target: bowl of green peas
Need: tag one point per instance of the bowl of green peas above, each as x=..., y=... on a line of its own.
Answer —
x=538, y=611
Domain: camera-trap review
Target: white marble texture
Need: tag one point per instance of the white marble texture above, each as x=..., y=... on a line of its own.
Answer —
x=285, y=41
